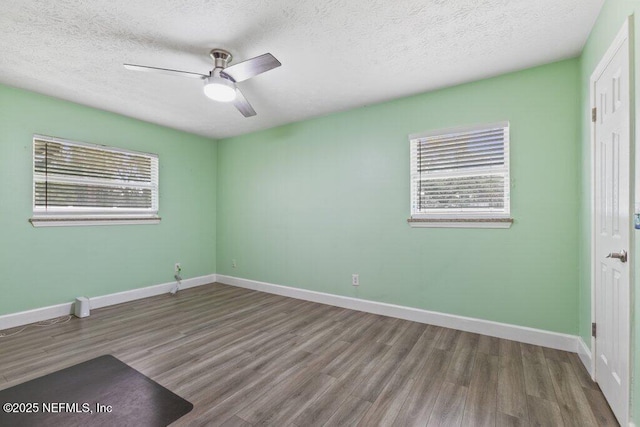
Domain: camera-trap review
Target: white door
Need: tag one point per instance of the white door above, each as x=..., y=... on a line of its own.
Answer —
x=612, y=221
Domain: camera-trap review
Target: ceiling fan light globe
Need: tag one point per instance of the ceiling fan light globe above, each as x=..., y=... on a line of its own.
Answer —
x=219, y=89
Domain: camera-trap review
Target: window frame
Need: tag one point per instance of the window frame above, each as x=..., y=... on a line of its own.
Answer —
x=79, y=216
x=461, y=218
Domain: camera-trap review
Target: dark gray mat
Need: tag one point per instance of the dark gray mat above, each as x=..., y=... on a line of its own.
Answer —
x=69, y=397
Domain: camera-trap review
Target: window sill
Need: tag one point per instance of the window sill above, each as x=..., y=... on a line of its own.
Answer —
x=460, y=222
x=49, y=221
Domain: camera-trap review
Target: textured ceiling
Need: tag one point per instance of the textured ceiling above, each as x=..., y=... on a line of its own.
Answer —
x=336, y=54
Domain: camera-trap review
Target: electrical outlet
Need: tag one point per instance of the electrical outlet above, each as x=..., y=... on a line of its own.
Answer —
x=234, y=264
x=177, y=268
x=355, y=279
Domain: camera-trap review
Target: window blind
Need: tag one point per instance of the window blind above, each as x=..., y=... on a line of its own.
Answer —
x=461, y=172
x=77, y=178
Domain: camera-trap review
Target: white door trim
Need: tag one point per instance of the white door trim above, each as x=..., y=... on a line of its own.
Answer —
x=622, y=36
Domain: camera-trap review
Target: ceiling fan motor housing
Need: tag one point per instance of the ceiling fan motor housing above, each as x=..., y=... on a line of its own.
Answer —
x=221, y=58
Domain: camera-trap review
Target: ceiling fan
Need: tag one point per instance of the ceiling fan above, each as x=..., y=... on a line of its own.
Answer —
x=220, y=83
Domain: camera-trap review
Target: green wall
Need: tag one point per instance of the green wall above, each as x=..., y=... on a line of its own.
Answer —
x=610, y=20
x=46, y=266
x=308, y=204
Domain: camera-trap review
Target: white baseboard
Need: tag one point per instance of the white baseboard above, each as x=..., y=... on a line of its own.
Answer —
x=36, y=315
x=486, y=327
x=149, y=291
x=584, y=352
x=39, y=314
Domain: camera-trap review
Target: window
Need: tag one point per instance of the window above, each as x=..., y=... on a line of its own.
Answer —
x=460, y=177
x=84, y=184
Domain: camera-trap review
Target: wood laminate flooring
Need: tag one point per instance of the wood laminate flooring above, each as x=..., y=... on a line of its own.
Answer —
x=248, y=358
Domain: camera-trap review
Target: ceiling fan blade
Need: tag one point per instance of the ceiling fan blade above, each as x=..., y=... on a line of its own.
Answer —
x=243, y=105
x=251, y=67
x=164, y=71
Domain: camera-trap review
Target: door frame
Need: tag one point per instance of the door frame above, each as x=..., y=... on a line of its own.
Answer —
x=624, y=34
